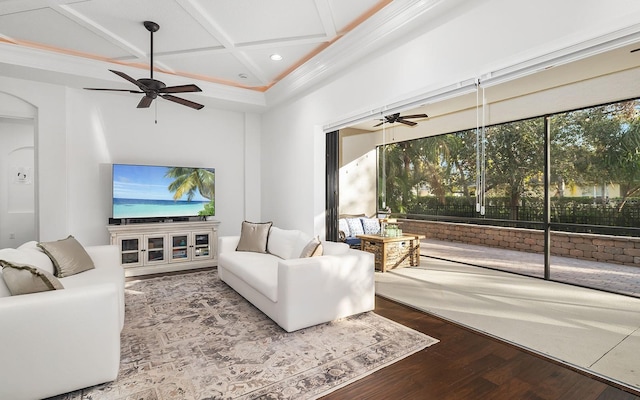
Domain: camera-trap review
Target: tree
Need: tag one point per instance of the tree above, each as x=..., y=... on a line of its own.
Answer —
x=515, y=160
x=622, y=156
x=188, y=180
x=599, y=145
x=567, y=155
x=593, y=146
x=398, y=179
x=462, y=158
x=412, y=165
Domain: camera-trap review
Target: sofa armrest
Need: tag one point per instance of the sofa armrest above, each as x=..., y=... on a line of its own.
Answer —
x=104, y=255
x=58, y=341
x=108, y=256
x=334, y=248
x=227, y=244
x=319, y=289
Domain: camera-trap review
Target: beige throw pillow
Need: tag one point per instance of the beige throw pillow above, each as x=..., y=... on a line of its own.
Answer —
x=254, y=236
x=312, y=249
x=68, y=256
x=24, y=279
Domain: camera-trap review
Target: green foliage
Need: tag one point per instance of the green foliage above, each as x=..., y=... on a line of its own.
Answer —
x=209, y=209
x=593, y=147
x=188, y=180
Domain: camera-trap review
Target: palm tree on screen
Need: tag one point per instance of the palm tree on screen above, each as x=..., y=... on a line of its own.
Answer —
x=188, y=180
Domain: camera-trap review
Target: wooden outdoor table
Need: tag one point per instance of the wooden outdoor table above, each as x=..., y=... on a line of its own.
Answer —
x=392, y=252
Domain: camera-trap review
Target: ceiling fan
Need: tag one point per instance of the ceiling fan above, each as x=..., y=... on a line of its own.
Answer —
x=152, y=88
x=390, y=119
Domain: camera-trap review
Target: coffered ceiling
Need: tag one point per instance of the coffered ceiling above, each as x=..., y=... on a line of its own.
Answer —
x=223, y=41
x=225, y=46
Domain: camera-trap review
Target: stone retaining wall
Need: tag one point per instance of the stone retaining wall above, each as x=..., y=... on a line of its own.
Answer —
x=603, y=248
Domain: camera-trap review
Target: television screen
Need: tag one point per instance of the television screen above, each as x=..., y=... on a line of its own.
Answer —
x=147, y=191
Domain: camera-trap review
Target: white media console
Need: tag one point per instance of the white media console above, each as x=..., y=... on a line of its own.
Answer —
x=150, y=248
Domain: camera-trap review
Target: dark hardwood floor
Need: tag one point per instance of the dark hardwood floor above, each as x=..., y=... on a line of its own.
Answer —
x=469, y=365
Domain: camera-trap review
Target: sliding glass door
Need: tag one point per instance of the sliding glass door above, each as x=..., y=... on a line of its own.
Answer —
x=561, y=192
x=595, y=203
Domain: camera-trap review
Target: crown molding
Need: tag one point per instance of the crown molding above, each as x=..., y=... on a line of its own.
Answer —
x=78, y=72
x=399, y=17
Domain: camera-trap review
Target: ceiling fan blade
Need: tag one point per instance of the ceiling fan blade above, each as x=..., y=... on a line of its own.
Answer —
x=415, y=116
x=180, y=89
x=410, y=123
x=378, y=124
x=145, y=102
x=152, y=88
x=114, y=90
x=130, y=79
x=184, y=102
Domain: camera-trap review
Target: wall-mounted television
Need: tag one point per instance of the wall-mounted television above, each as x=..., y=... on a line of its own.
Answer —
x=153, y=191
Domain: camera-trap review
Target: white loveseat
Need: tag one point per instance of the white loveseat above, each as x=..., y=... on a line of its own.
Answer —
x=58, y=341
x=299, y=292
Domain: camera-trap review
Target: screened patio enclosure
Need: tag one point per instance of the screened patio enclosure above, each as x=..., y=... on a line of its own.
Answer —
x=559, y=184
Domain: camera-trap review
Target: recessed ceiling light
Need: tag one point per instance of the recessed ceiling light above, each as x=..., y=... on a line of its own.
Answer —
x=276, y=57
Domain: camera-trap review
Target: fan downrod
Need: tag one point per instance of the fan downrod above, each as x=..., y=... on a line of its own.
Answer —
x=153, y=88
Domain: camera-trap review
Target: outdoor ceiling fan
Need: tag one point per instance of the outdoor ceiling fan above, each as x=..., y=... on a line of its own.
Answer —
x=152, y=88
x=390, y=119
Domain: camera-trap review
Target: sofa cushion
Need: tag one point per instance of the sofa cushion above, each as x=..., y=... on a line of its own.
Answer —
x=260, y=271
x=355, y=226
x=301, y=242
x=371, y=226
x=68, y=256
x=282, y=242
x=24, y=279
x=312, y=249
x=254, y=236
x=28, y=254
x=344, y=227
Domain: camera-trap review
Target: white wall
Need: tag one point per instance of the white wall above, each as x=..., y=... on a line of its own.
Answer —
x=17, y=196
x=493, y=35
x=252, y=178
x=17, y=200
x=51, y=202
x=289, y=175
x=80, y=133
x=357, y=175
x=108, y=128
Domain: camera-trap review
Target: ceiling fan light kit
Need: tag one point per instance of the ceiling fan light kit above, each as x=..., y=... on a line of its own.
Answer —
x=152, y=88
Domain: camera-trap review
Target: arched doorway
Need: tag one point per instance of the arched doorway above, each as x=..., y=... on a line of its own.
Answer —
x=18, y=181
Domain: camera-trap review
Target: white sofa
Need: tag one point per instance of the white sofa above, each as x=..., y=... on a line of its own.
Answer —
x=299, y=292
x=59, y=341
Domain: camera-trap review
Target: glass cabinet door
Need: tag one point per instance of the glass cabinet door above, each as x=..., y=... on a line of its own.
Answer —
x=201, y=245
x=155, y=249
x=130, y=251
x=179, y=247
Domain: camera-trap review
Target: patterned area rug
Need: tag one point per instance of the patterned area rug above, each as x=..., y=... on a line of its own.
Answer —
x=190, y=336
